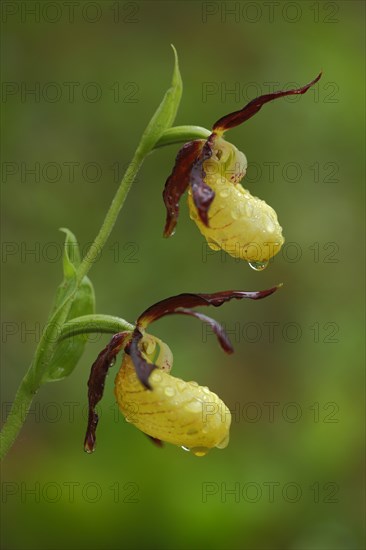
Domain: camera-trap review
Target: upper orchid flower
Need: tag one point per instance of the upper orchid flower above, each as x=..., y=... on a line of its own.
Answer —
x=226, y=214
x=162, y=406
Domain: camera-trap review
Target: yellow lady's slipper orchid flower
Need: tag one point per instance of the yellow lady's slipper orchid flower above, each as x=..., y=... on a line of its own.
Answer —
x=162, y=406
x=227, y=215
x=175, y=411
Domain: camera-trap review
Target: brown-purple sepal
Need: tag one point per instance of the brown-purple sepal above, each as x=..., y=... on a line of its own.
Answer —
x=178, y=181
x=237, y=117
x=142, y=367
x=188, y=300
x=202, y=194
x=181, y=304
x=218, y=330
x=96, y=382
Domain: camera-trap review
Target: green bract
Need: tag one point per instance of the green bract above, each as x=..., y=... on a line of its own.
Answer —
x=68, y=352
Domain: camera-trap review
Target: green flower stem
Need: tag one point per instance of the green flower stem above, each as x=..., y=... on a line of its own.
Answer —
x=19, y=410
x=176, y=134
x=109, y=221
x=47, y=345
x=32, y=379
x=88, y=324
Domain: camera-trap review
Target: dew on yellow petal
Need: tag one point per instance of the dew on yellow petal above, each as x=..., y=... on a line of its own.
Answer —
x=155, y=377
x=181, y=385
x=194, y=406
x=169, y=391
x=249, y=209
x=213, y=245
x=224, y=443
x=235, y=214
x=224, y=193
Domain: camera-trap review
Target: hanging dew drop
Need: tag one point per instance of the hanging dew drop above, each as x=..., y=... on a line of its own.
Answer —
x=258, y=266
x=197, y=451
x=200, y=451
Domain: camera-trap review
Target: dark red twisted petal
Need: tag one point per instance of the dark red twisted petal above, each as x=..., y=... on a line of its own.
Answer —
x=202, y=194
x=215, y=325
x=178, y=182
x=188, y=300
x=142, y=367
x=178, y=304
x=237, y=117
x=96, y=383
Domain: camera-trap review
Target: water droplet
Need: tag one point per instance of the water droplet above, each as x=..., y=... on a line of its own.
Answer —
x=249, y=209
x=185, y=449
x=224, y=443
x=200, y=451
x=181, y=385
x=238, y=211
x=270, y=226
x=155, y=377
x=224, y=193
x=194, y=406
x=213, y=245
x=169, y=391
x=258, y=266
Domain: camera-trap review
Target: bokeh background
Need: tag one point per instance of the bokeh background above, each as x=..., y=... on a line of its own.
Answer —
x=292, y=475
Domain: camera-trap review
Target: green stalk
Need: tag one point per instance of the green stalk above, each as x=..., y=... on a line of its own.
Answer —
x=51, y=334
x=97, y=323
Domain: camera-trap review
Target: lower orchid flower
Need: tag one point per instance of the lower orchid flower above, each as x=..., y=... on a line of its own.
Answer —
x=228, y=216
x=162, y=406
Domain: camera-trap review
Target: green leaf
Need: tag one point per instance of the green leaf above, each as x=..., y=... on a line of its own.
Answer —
x=68, y=352
x=166, y=112
x=70, y=262
x=71, y=257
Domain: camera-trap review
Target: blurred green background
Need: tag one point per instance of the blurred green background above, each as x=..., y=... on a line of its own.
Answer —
x=292, y=475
